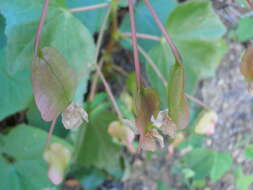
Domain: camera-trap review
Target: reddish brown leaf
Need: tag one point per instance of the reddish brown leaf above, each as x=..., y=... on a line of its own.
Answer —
x=152, y=141
x=53, y=83
x=147, y=105
x=246, y=66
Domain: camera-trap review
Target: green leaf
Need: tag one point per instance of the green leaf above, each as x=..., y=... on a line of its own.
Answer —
x=61, y=31
x=92, y=19
x=248, y=152
x=243, y=181
x=53, y=82
x=197, y=32
x=19, y=12
x=21, y=159
x=16, y=90
x=95, y=145
x=34, y=119
x=205, y=162
x=200, y=161
x=244, y=29
x=177, y=105
x=222, y=163
x=145, y=22
x=2, y=34
x=92, y=178
x=22, y=17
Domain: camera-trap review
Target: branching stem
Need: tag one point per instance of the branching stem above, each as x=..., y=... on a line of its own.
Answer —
x=50, y=132
x=109, y=92
x=160, y=75
x=164, y=32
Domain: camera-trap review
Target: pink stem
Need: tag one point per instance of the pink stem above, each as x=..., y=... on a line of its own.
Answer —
x=134, y=44
x=109, y=91
x=165, y=34
x=41, y=23
x=50, y=132
x=88, y=8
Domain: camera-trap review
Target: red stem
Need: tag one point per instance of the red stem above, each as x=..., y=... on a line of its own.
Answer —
x=250, y=4
x=41, y=23
x=165, y=34
x=134, y=44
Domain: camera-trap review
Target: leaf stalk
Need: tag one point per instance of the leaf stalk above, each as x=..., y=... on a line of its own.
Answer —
x=164, y=32
x=134, y=44
x=40, y=27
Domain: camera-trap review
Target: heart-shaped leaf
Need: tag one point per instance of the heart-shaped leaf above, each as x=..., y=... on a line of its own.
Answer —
x=53, y=83
x=177, y=105
x=197, y=32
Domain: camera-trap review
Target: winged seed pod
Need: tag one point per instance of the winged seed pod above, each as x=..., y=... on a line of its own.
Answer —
x=165, y=123
x=58, y=157
x=73, y=116
x=123, y=133
x=246, y=67
x=206, y=122
x=152, y=141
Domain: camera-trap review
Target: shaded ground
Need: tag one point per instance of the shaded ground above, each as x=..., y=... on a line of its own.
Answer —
x=227, y=94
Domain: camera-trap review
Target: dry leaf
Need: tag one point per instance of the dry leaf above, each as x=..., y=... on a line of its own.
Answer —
x=152, y=141
x=165, y=124
x=57, y=156
x=147, y=104
x=73, y=116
